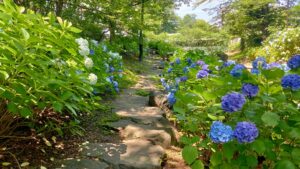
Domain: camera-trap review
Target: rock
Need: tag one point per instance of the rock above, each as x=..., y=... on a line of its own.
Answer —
x=140, y=112
x=158, y=136
x=131, y=154
x=121, y=124
x=83, y=164
x=151, y=101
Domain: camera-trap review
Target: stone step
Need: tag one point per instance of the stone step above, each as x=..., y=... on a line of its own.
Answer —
x=130, y=154
x=83, y=164
x=139, y=112
x=158, y=136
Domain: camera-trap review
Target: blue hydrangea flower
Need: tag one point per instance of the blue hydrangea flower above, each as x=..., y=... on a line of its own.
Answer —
x=228, y=63
x=233, y=102
x=177, y=61
x=92, y=52
x=170, y=70
x=294, y=62
x=237, y=70
x=115, y=84
x=273, y=65
x=291, y=81
x=245, y=132
x=259, y=62
x=177, y=80
x=171, y=63
x=220, y=133
x=200, y=63
x=255, y=71
x=193, y=65
x=111, y=69
x=171, y=98
x=189, y=61
x=183, y=79
x=250, y=90
x=185, y=69
x=202, y=74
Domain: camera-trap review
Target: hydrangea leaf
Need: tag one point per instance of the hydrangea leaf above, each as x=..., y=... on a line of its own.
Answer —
x=258, y=146
x=285, y=164
x=216, y=159
x=197, y=165
x=189, y=154
x=296, y=155
x=273, y=74
x=270, y=119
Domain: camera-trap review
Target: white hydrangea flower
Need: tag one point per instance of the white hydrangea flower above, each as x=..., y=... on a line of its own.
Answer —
x=84, y=51
x=88, y=62
x=83, y=46
x=93, y=78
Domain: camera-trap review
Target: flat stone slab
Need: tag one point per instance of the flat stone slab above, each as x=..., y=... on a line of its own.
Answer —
x=158, y=136
x=83, y=164
x=140, y=112
x=131, y=154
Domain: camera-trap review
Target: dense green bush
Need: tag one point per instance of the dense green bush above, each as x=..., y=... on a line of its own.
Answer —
x=43, y=71
x=282, y=44
x=211, y=98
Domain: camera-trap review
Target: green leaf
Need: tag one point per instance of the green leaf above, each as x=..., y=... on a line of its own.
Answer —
x=25, y=34
x=189, y=154
x=270, y=119
x=273, y=74
x=228, y=150
x=75, y=30
x=197, y=165
x=296, y=155
x=295, y=133
x=216, y=159
x=12, y=107
x=57, y=106
x=285, y=164
x=252, y=161
x=25, y=112
x=258, y=146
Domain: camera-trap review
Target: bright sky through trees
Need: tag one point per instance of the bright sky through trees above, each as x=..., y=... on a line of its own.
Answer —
x=199, y=11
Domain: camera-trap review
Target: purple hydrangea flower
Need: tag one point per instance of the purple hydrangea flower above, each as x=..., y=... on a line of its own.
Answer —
x=220, y=133
x=274, y=65
x=250, y=90
x=233, y=102
x=171, y=98
x=237, y=70
x=255, y=71
x=294, y=62
x=245, y=132
x=170, y=70
x=200, y=63
x=177, y=61
x=183, y=79
x=259, y=62
x=202, y=74
x=205, y=67
x=291, y=81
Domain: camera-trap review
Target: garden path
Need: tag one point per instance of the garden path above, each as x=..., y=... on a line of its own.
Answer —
x=146, y=134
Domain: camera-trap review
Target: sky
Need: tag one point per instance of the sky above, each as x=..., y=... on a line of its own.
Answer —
x=200, y=13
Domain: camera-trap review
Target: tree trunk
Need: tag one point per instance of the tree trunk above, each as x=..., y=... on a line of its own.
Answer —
x=243, y=44
x=59, y=7
x=141, y=38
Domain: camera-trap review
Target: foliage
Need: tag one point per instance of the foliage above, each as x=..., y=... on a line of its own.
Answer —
x=42, y=73
x=265, y=126
x=282, y=44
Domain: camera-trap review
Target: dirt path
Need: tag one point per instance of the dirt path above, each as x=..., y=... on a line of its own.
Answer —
x=147, y=137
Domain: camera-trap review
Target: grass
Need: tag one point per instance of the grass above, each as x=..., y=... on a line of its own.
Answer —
x=142, y=92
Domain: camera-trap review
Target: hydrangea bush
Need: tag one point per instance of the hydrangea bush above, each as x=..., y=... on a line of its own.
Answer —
x=234, y=117
x=46, y=70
